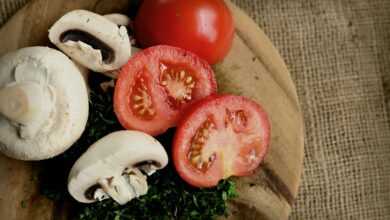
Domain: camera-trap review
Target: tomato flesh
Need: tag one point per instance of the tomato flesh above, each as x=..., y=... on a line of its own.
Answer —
x=141, y=101
x=204, y=27
x=221, y=136
x=157, y=84
x=178, y=82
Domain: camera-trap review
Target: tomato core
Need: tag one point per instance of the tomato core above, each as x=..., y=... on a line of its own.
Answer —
x=178, y=83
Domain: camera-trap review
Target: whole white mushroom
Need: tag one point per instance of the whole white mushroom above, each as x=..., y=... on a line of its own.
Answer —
x=43, y=103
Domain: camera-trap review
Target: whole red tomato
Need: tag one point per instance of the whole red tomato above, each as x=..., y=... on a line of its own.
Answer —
x=204, y=27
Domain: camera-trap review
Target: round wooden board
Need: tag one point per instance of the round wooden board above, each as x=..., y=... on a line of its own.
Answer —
x=253, y=68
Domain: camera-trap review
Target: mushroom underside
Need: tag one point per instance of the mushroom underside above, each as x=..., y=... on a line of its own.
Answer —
x=123, y=188
x=116, y=166
x=76, y=35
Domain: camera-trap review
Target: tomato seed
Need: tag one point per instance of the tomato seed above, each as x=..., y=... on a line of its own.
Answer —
x=187, y=97
x=151, y=111
x=142, y=111
x=182, y=74
x=178, y=84
x=200, y=165
x=201, y=140
x=196, y=159
x=137, y=98
x=196, y=147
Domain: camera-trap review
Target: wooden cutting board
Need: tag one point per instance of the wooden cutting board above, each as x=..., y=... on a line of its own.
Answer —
x=253, y=68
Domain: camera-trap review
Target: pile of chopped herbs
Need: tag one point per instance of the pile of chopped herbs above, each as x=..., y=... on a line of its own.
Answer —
x=168, y=196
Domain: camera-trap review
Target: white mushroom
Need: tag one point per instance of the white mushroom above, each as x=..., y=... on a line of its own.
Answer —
x=92, y=40
x=118, y=19
x=114, y=73
x=121, y=20
x=43, y=103
x=114, y=167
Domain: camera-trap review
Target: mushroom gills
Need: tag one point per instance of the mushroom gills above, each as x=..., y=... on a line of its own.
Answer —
x=75, y=35
x=131, y=184
x=148, y=167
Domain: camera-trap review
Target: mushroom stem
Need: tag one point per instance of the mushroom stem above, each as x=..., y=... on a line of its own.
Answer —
x=149, y=169
x=100, y=195
x=122, y=188
x=117, y=189
x=24, y=102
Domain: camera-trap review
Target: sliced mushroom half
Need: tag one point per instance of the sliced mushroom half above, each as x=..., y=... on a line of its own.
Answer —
x=119, y=19
x=43, y=103
x=91, y=40
x=116, y=166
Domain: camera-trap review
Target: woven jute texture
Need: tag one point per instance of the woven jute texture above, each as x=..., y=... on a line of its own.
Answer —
x=338, y=53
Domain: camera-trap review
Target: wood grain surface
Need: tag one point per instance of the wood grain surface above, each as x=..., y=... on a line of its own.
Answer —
x=253, y=68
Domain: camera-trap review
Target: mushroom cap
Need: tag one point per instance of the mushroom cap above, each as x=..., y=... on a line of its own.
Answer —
x=45, y=67
x=118, y=19
x=99, y=27
x=110, y=156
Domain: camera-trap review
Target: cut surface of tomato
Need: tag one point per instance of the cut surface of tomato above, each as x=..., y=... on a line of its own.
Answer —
x=220, y=136
x=157, y=84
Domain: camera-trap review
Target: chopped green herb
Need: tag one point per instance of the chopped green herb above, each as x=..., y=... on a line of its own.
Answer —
x=168, y=196
x=23, y=204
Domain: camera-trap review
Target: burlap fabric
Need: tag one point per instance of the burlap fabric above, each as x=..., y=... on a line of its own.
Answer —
x=338, y=53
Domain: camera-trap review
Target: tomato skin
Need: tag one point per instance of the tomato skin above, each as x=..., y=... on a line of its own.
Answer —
x=218, y=170
x=204, y=27
x=147, y=65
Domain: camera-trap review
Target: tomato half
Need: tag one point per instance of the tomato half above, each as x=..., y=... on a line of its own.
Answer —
x=220, y=136
x=157, y=84
x=204, y=27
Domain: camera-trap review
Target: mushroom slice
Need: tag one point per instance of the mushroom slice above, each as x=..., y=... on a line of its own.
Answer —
x=122, y=20
x=114, y=73
x=44, y=103
x=118, y=19
x=116, y=166
x=92, y=40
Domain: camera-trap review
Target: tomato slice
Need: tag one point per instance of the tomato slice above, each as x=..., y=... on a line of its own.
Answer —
x=220, y=136
x=157, y=84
